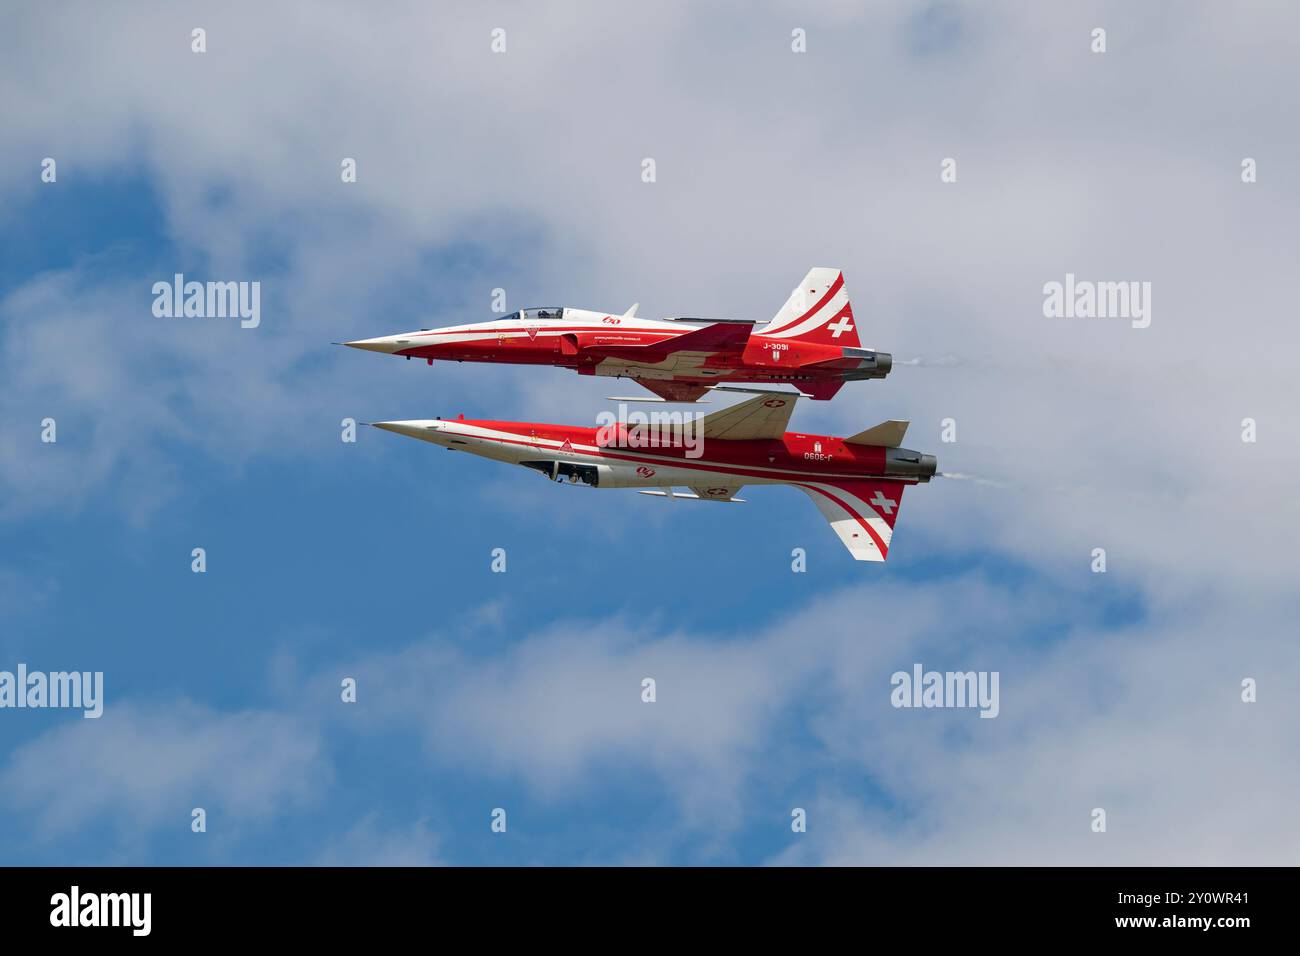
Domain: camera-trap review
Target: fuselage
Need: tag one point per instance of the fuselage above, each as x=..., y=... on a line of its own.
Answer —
x=599, y=343
x=619, y=457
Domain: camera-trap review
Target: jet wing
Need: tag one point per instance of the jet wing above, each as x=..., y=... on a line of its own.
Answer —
x=718, y=337
x=673, y=391
x=730, y=336
x=716, y=492
x=764, y=416
x=862, y=513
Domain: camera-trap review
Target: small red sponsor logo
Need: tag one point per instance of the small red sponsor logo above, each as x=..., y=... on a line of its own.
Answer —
x=610, y=320
x=532, y=332
x=645, y=471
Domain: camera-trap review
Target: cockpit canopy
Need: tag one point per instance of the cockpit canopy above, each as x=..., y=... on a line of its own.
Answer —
x=530, y=315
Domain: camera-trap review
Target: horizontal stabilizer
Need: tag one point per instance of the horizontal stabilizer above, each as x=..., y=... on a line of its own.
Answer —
x=889, y=434
x=824, y=389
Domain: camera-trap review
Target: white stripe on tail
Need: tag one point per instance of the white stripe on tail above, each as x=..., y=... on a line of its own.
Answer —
x=818, y=311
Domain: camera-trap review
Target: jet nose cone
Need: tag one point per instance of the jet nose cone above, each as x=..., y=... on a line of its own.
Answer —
x=382, y=344
x=425, y=430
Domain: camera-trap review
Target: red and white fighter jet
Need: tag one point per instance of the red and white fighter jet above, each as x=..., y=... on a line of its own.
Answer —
x=857, y=482
x=812, y=344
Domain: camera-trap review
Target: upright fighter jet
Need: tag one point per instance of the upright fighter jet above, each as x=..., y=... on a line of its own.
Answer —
x=812, y=344
x=856, y=482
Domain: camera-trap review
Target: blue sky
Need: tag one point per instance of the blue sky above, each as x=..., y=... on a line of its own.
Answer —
x=522, y=690
x=368, y=549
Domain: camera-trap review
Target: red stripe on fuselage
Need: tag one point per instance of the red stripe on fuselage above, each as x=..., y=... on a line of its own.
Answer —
x=519, y=332
x=868, y=462
x=795, y=361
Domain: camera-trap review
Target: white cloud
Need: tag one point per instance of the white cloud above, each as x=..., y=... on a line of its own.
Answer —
x=371, y=843
x=780, y=160
x=1144, y=720
x=1122, y=166
x=144, y=767
x=567, y=702
x=1146, y=723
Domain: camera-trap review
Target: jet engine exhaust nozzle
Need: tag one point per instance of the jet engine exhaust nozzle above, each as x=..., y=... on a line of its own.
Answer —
x=905, y=463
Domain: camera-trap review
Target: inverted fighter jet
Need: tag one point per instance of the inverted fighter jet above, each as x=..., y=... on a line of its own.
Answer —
x=856, y=482
x=812, y=344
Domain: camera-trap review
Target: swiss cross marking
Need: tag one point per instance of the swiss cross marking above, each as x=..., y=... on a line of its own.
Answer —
x=837, y=328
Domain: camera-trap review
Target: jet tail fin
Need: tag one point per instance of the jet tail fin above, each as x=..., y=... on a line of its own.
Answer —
x=861, y=513
x=817, y=311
